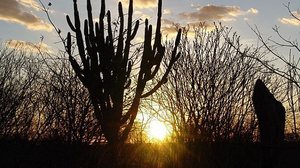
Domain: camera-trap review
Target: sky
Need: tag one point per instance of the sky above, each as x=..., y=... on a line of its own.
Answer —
x=23, y=21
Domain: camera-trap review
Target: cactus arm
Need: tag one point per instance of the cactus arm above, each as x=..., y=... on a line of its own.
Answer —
x=129, y=29
x=110, y=39
x=90, y=39
x=90, y=20
x=70, y=23
x=79, y=38
x=121, y=38
x=174, y=58
x=101, y=25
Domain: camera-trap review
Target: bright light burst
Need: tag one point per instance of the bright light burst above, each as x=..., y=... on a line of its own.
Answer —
x=157, y=131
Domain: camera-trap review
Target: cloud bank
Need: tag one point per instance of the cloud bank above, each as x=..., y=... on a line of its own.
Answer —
x=214, y=12
x=15, y=11
x=205, y=17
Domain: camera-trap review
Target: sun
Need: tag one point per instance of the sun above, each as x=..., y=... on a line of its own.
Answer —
x=157, y=131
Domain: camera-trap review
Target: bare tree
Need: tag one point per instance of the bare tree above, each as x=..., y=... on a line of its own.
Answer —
x=41, y=98
x=65, y=111
x=18, y=72
x=209, y=91
x=105, y=66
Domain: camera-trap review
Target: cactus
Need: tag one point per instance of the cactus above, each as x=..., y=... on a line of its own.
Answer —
x=271, y=121
x=105, y=68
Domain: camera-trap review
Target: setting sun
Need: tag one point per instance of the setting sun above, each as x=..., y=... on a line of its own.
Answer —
x=157, y=130
x=149, y=83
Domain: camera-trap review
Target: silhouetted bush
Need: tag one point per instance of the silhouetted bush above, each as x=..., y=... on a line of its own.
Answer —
x=208, y=96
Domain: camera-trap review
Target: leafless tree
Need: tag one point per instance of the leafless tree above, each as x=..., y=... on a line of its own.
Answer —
x=65, y=111
x=18, y=72
x=208, y=95
x=41, y=98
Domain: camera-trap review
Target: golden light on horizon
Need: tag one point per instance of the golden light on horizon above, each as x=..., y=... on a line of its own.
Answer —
x=158, y=131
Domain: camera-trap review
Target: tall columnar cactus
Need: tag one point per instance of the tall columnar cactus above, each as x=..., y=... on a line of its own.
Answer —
x=105, y=67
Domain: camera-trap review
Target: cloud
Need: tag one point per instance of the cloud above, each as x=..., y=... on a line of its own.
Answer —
x=291, y=21
x=169, y=27
x=29, y=4
x=214, y=12
x=205, y=16
x=252, y=11
x=141, y=15
x=167, y=12
x=28, y=46
x=141, y=3
x=15, y=11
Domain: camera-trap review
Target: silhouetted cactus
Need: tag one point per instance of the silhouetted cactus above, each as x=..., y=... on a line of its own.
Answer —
x=271, y=120
x=106, y=67
x=270, y=114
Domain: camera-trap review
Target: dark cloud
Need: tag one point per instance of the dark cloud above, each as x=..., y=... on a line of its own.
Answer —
x=15, y=11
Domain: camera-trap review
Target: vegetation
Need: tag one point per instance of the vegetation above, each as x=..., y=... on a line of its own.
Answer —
x=212, y=99
x=59, y=112
x=107, y=65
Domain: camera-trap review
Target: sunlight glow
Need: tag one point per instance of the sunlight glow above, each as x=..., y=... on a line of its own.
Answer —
x=157, y=131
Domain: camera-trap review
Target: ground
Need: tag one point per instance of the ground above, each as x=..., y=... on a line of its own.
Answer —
x=201, y=155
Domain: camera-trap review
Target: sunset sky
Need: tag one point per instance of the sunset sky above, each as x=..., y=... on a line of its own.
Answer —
x=23, y=21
